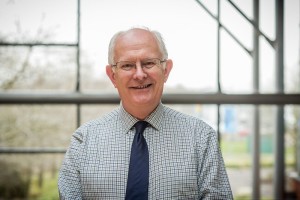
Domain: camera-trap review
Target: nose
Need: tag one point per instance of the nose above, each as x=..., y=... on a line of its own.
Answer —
x=139, y=72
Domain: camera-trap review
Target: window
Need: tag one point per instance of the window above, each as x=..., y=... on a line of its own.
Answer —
x=52, y=79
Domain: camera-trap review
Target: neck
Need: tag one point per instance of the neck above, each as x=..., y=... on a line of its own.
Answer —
x=141, y=111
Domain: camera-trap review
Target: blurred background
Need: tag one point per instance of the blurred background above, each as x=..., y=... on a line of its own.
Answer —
x=236, y=66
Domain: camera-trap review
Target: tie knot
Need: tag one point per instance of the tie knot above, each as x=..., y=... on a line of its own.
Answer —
x=140, y=126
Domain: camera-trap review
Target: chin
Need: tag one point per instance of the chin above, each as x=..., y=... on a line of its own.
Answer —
x=143, y=101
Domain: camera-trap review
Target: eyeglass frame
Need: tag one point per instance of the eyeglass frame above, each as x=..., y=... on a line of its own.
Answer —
x=135, y=65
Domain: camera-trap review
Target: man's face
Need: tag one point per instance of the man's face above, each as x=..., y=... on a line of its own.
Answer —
x=139, y=86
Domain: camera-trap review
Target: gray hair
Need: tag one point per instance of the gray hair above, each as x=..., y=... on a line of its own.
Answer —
x=156, y=34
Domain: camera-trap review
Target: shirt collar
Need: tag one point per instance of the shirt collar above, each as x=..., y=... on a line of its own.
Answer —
x=154, y=119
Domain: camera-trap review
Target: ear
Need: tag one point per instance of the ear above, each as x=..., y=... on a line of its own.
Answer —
x=111, y=74
x=168, y=68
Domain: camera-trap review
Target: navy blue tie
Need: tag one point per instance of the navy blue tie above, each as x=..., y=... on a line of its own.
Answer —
x=138, y=174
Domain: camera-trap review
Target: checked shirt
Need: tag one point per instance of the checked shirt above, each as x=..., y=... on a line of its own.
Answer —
x=185, y=161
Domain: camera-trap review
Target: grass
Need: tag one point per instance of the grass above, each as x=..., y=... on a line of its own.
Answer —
x=237, y=154
x=48, y=190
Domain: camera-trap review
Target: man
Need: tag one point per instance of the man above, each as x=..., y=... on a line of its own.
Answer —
x=179, y=154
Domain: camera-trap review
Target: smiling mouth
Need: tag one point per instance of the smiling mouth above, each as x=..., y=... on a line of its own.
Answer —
x=141, y=86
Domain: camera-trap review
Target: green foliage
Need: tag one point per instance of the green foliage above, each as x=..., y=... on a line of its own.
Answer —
x=47, y=191
x=13, y=183
x=237, y=154
x=248, y=197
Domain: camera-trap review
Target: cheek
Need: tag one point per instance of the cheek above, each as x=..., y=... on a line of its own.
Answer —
x=161, y=78
x=121, y=81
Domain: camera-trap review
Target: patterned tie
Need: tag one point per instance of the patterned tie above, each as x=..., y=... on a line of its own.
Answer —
x=138, y=175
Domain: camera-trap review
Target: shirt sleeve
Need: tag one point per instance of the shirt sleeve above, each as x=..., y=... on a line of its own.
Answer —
x=69, y=185
x=213, y=180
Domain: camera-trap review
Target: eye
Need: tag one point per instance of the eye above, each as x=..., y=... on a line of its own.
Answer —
x=148, y=64
x=127, y=66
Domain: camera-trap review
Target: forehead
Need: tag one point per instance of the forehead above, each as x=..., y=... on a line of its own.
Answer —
x=136, y=42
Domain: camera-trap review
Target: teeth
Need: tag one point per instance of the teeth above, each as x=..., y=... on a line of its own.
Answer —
x=142, y=86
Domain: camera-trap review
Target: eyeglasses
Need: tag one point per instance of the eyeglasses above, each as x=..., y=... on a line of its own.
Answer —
x=130, y=65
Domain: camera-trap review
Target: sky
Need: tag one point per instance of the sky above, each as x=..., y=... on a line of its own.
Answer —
x=190, y=35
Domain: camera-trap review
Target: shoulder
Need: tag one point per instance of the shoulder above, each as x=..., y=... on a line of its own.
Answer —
x=198, y=132
x=96, y=124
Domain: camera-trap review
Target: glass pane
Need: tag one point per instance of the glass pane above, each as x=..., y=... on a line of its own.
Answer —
x=236, y=130
x=236, y=67
x=37, y=68
x=211, y=5
x=36, y=126
x=91, y=112
x=267, y=149
x=267, y=18
x=237, y=24
x=292, y=46
x=246, y=6
x=292, y=144
x=38, y=21
x=29, y=176
x=267, y=76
